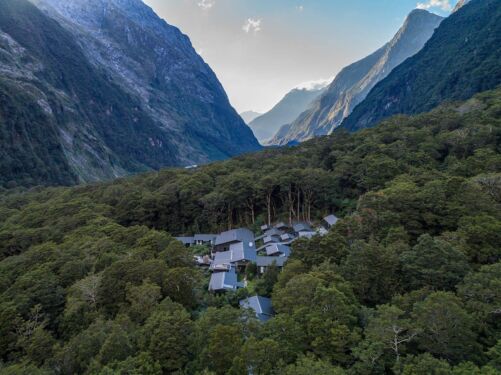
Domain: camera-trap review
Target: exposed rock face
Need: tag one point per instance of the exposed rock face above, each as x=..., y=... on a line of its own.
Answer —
x=284, y=112
x=116, y=90
x=353, y=83
x=461, y=59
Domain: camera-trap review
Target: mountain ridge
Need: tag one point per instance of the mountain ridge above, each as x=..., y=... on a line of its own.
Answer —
x=355, y=81
x=286, y=110
x=461, y=59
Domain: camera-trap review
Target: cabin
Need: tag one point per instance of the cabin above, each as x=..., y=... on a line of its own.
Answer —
x=225, y=239
x=329, y=221
x=261, y=306
x=282, y=226
x=264, y=262
x=224, y=281
x=205, y=239
x=275, y=250
x=239, y=255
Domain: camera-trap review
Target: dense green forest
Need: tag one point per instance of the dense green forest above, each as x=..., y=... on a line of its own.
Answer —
x=408, y=282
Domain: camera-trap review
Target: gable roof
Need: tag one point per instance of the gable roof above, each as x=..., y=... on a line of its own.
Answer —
x=266, y=261
x=331, y=219
x=277, y=248
x=234, y=235
x=260, y=305
x=224, y=281
x=238, y=252
x=205, y=237
x=301, y=227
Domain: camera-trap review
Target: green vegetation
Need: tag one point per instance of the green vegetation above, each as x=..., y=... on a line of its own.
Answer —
x=461, y=59
x=408, y=282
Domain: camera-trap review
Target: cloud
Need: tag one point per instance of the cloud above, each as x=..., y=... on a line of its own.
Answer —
x=445, y=5
x=252, y=24
x=206, y=4
x=315, y=85
x=299, y=8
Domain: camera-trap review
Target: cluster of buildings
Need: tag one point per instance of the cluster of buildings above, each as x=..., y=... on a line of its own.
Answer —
x=232, y=251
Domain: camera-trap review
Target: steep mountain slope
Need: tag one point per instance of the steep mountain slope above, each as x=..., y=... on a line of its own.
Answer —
x=354, y=82
x=462, y=58
x=285, y=111
x=460, y=4
x=69, y=115
x=248, y=116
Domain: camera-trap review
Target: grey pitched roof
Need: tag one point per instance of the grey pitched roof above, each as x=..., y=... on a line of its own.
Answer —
x=281, y=225
x=241, y=234
x=186, y=240
x=301, y=227
x=260, y=305
x=205, y=237
x=276, y=249
x=238, y=252
x=267, y=261
x=286, y=236
x=268, y=239
x=223, y=281
x=273, y=232
x=331, y=219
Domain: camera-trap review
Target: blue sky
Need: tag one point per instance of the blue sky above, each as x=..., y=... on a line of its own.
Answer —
x=260, y=49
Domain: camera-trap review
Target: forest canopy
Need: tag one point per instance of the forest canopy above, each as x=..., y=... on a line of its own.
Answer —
x=407, y=282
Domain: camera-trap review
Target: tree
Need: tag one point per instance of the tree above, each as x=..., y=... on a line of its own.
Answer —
x=181, y=286
x=424, y=364
x=265, y=284
x=223, y=346
x=446, y=328
x=434, y=263
x=391, y=329
x=262, y=356
x=166, y=336
x=306, y=365
x=482, y=237
x=142, y=299
x=373, y=271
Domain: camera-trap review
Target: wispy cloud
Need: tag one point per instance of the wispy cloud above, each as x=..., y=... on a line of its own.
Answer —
x=445, y=5
x=252, y=25
x=299, y=8
x=206, y=4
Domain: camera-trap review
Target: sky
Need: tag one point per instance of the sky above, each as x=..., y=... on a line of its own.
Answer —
x=261, y=49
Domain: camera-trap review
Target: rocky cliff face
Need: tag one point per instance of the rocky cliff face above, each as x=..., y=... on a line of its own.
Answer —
x=353, y=83
x=461, y=59
x=116, y=91
x=285, y=111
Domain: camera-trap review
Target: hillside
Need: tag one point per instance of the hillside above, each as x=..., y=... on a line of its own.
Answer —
x=354, y=82
x=284, y=112
x=92, y=283
x=94, y=112
x=462, y=58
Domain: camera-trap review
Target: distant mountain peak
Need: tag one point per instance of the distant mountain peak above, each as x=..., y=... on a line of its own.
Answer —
x=354, y=82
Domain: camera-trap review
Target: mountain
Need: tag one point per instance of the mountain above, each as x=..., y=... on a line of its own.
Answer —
x=248, y=116
x=460, y=4
x=286, y=110
x=462, y=58
x=97, y=89
x=354, y=82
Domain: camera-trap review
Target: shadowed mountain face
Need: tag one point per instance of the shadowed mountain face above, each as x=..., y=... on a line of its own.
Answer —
x=462, y=58
x=353, y=83
x=93, y=90
x=285, y=111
